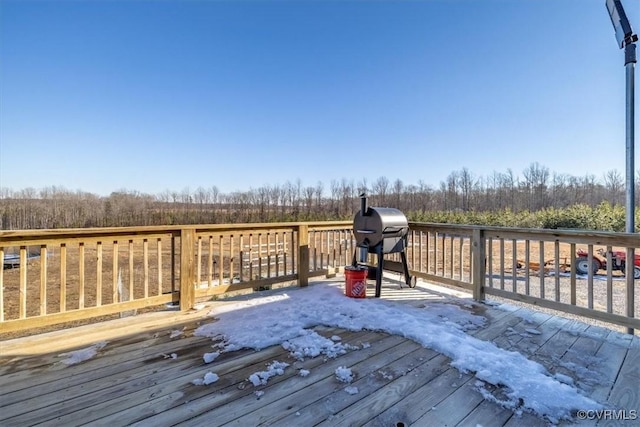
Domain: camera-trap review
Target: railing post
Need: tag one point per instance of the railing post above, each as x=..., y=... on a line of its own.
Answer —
x=478, y=267
x=630, y=279
x=187, y=269
x=303, y=255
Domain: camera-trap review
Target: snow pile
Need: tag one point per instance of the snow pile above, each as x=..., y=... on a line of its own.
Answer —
x=210, y=357
x=261, y=378
x=77, y=356
x=344, y=374
x=304, y=372
x=287, y=317
x=312, y=344
x=209, y=378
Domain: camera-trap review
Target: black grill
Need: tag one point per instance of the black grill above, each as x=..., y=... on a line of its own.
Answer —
x=380, y=231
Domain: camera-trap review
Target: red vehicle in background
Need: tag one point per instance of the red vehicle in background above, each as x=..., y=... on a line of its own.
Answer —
x=618, y=258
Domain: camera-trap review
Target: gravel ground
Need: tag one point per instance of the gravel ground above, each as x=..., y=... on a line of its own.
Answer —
x=618, y=295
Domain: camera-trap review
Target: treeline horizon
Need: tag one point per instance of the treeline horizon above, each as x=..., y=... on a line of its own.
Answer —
x=537, y=198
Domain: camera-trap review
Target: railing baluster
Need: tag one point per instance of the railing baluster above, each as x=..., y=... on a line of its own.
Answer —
x=294, y=266
x=81, y=283
x=130, y=293
x=159, y=256
x=609, y=280
x=490, y=261
x=514, y=262
x=317, y=247
x=268, y=255
x=2, y=285
x=145, y=262
x=324, y=248
x=451, y=251
x=443, y=237
x=319, y=244
x=251, y=257
x=98, y=274
x=63, y=278
x=344, y=248
x=260, y=275
x=173, y=264
x=199, y=262
x=276, y=238
x=557, y=270
x=220, y=260
x=572, y=283
x=43, y=280
x=23, y=282
x=420, y=251
x=461, y=250
x=502, y=264
x=412, y=237
x=527, y=266
x=241, y=250
x=542, y=265
x=116, y=273
x=590, y=277
x=436, y=246
x=231, y=259
x=471, y=257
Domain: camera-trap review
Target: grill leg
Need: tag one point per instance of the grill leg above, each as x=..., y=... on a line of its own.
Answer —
x=411, y=281
x=379, y=272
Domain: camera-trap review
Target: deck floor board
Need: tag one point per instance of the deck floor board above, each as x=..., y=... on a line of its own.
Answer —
x=136, y=381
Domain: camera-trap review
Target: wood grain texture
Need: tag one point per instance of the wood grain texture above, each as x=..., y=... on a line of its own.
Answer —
x=133, y=380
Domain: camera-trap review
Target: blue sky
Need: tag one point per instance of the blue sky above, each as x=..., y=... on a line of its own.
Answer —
x=167, y=95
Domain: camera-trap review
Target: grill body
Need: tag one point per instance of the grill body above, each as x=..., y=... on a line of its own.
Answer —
x=385, y=226
x=380, y=231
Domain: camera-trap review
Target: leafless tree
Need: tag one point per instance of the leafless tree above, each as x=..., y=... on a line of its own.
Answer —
x=57, y=207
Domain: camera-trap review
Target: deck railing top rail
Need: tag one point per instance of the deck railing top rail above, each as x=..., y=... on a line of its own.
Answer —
x=592, y=235
x=17, y=236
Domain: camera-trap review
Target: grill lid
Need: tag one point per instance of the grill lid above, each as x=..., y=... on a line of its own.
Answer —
x=379, y=224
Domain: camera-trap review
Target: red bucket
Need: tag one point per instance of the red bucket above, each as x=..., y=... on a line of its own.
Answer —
x=355, y=285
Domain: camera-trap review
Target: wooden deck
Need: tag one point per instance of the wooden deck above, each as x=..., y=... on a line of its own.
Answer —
x=134, y=379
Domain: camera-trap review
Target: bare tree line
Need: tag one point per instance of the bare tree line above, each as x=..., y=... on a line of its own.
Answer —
x=535, y=189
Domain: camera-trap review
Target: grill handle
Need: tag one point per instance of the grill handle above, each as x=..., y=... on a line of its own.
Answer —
x=389, y=230
x=365, y=231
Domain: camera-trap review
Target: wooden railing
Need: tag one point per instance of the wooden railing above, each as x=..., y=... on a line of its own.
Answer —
x=56, y=276
x=532, y=266
x=232, y=258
